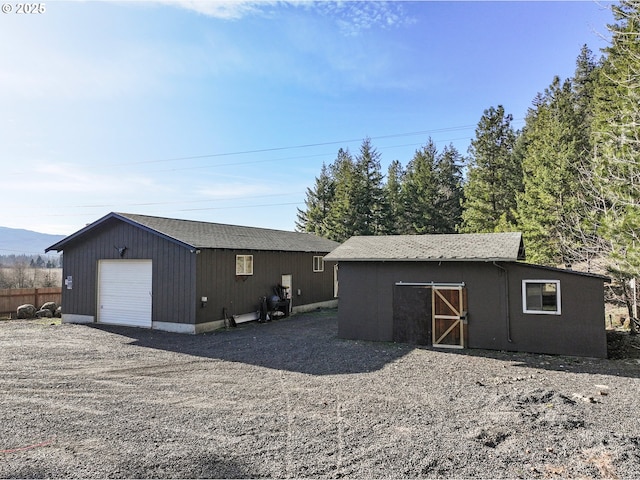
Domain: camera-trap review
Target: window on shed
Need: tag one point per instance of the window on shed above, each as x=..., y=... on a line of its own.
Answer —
x=318, y=264
x=244, y=264
x=541, y=297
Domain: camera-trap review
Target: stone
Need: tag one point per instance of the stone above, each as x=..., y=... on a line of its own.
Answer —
x=44, y=313
x=49, y=306
x=26, y=311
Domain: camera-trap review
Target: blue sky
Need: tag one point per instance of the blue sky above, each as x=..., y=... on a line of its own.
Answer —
x=225, y=111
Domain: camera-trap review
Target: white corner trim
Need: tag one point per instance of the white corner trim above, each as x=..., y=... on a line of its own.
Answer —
x=309, y=307
x=75, y=318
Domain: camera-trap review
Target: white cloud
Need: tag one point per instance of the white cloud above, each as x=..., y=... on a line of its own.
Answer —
x=355, y=17
x=227, y=191
x=227, y=10
x=351, y=16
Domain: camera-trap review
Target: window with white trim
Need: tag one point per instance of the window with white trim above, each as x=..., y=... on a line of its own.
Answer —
x=541, y=297
x=244, y=264
x=318, y=264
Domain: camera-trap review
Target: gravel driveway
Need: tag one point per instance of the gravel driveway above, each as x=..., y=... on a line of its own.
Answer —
x=288, y=399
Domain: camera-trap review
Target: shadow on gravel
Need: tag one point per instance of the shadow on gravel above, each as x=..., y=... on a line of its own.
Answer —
x=624, y=367
x=304, y=343
x=197, y=466
x=308, y=343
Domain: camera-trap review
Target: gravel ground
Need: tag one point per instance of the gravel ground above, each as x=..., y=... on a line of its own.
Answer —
x=289, y=399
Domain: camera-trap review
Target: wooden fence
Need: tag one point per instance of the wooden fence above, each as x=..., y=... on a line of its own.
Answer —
x=11, y=299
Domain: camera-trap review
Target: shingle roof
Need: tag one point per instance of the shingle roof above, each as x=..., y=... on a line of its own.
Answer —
x=442, y=247
x=202, y=235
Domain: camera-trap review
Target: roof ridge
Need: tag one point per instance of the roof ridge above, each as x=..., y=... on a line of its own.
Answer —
x=203, y=222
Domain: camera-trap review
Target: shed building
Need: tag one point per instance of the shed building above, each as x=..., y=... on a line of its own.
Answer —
x=187, y=276
x=466, y=290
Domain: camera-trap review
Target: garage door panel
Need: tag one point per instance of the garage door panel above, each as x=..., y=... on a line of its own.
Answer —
x=124, y=291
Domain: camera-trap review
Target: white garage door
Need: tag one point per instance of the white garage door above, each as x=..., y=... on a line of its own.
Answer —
x=124, y=292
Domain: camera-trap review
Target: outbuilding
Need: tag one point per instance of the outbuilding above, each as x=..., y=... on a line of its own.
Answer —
x=188, y=276
x=466, y=291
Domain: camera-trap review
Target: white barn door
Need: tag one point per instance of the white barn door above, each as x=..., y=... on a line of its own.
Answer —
x=124, y=292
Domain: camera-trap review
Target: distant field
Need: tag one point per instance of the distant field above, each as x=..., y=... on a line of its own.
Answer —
x=34, y=277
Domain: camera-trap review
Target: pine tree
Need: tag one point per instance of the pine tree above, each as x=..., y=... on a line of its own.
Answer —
x=373, y=210
x=449, y=190
x=494, y=175
x=393, y=193
x=420, y=191
x=318, y=204
x=579, y=239
x=616, y=134
x=550, y=176
x=616, y=137
x=341, y=218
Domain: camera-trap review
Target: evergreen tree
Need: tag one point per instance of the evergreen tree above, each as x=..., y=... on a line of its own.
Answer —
x=318, y=204
x=494, y=175
x=616, y=133
x=393, y=193
x=449, y=190
x=372, y=207
x=550, y=176
x=420, y=191
x=616, y=138
x=579, y=240
x=341, y=219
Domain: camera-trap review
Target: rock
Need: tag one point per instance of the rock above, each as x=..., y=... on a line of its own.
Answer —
x=49, y=306
x=26, y=311
x=45, y=312
x=58, y=313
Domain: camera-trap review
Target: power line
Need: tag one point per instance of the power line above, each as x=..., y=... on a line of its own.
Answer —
x=294, y=147
x=284, y=148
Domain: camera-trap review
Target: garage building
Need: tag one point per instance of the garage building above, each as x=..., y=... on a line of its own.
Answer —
x=466, y=290
x=188, y=276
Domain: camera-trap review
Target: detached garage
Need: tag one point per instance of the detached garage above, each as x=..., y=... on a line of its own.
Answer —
x=466, y=291
x=188, y=276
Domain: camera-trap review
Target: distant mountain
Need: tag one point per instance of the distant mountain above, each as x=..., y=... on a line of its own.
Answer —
x=15, y=241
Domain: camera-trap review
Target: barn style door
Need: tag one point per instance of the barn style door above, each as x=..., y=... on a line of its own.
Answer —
x=448, y=314
x=412, y=314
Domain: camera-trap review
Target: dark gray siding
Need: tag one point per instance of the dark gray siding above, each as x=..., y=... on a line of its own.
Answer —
x=173, y=270
x=217, y=280
x=580, y=330
x=365, y=310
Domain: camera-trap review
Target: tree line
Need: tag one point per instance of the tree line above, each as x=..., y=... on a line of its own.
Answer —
x=569, y=180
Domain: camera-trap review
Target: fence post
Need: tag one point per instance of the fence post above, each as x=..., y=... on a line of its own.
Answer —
x=36, y=304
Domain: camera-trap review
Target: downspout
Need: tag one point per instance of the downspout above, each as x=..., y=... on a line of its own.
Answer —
x=506, y=300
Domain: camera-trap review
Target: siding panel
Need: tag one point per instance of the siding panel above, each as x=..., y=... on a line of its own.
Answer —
x=172, y=293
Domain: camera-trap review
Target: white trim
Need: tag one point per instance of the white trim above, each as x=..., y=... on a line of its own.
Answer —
x=246, y=317
x=310, y=307
x=441, y=286
x=320, y=266
x=557, y=311
x=188, y=328
x=247, y=266
x=75, y=318
x=124, y=292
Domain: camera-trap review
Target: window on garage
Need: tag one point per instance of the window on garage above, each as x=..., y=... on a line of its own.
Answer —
x=244, y=264
x=541, y=297
x=318, y=264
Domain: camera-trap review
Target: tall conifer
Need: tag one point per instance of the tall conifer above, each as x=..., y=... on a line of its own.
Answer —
x=494, y=175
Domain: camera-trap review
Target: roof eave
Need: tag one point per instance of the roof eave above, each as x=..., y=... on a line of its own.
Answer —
x=415, y=259
x=59, y=246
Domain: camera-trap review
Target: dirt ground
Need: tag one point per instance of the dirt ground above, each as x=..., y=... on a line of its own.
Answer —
x=288, y=399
